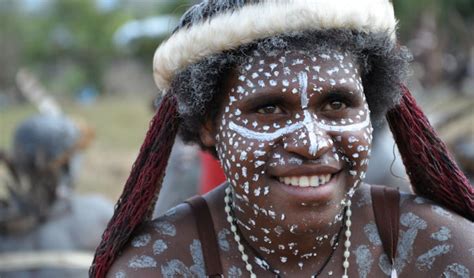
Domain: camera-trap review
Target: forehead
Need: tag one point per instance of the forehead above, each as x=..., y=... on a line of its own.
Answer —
x=284, y=61
x=287, y=71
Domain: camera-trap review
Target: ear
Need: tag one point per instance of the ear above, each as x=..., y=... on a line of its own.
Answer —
x=206, y=133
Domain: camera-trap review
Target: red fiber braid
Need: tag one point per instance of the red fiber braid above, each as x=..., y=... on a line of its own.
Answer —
x=142, y=187
x=433, y=172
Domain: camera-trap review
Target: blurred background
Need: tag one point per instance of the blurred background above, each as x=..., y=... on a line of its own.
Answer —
x=77, y=93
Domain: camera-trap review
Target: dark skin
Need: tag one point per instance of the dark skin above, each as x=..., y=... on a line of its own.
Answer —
x=311, y=95
x=179, y=245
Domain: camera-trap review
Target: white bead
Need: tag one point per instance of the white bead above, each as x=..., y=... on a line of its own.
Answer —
x=233, y=228
x=347, y=244
x=394, y=273
x=348, y=234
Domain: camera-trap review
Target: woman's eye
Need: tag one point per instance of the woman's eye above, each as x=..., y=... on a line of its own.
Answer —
x=335, y=105
x=270, y=109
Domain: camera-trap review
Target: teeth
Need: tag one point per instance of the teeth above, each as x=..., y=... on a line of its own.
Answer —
x=314, y=181
x=294, y=181
x=306, y=181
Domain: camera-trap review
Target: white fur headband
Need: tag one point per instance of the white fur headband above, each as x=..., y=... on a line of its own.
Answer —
x=232, y=29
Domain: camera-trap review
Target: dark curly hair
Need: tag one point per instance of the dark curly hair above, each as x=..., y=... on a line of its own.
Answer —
x=384, y=66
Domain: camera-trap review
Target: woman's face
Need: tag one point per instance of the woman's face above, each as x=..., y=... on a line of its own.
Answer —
x=294, y=136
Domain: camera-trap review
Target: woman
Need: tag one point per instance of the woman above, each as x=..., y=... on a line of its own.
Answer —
x=285, y=93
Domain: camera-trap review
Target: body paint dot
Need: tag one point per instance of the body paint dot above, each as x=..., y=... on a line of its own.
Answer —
x=141, y=262
x=425, y=261
x=442, y=235
x=456, y=270
x=141, y=240
x=159, y=247
x=120, y=274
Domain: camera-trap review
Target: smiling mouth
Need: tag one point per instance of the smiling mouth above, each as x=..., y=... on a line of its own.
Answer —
x=306, y=181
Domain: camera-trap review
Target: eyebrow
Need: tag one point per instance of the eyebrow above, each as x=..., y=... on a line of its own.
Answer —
x=341, y=88
x=263, y=97
x=274, y=95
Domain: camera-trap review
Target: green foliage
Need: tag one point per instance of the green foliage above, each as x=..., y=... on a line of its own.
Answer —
x=409, y=13
x=61, y=33
x=73, y=30
x=144, y=48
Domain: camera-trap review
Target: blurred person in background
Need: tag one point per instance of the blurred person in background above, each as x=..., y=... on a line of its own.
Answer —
x=46, y=230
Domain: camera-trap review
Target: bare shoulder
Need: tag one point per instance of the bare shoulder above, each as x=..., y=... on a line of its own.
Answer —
x=168, y=246
x=434, y=240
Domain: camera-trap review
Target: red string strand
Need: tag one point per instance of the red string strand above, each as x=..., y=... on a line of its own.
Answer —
x=433, y=172
x=142, y=187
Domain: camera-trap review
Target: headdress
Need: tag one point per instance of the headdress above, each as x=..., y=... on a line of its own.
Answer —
x=217, y=26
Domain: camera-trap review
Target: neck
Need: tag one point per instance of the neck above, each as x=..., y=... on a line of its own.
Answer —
x=291, y=249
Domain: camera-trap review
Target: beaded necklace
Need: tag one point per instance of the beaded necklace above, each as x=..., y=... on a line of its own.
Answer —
x=347, y=223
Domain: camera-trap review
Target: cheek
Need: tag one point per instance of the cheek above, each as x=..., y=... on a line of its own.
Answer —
x=354, y=149
x=244, y=159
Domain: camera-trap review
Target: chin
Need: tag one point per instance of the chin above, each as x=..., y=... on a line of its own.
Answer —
x=322, y=204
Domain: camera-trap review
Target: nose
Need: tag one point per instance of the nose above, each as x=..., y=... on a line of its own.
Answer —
x=310, y=141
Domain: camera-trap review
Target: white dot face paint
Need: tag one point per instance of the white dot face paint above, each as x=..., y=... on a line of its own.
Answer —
x=300, y=137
